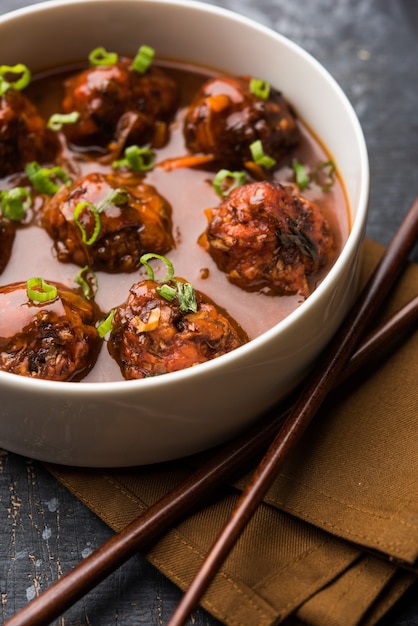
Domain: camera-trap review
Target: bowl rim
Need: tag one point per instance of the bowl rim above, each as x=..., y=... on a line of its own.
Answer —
x=356, y=231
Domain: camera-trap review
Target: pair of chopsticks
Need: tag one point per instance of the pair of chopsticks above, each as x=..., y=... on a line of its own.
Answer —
x=285, y=426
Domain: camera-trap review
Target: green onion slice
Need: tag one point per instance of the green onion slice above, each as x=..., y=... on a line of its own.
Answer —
x=43, y=179
x=138, y=159
x=167, y=292
x=14, y=203
x=225, y=181
x=57, y=120
x=19, y=83
x=170, y=268
x=87, y=280
x=143, y=59
x=88, y=206
x=100, y=56
x=186, y=297
x=260, y=88
x=40, y=291
x=184, y=291
x=327, y=170
x=117, y=197
x=301, y=175
x=259, y=157
x=106, y=325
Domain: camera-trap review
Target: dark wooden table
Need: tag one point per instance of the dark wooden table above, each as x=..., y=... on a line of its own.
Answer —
x=371, y=48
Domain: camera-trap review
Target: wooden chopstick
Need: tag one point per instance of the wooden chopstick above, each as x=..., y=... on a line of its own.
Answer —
x=318, y=385
x=225, y=463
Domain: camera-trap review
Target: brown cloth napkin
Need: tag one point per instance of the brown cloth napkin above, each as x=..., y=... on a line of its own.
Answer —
x=336, y=541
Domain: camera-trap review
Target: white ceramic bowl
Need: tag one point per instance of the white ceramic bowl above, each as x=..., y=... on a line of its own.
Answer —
x=157, y=419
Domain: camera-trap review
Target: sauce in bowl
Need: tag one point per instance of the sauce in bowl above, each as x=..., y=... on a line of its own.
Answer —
x=190, y=192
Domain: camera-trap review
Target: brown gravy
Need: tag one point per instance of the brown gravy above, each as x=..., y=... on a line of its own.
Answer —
x=190, y=192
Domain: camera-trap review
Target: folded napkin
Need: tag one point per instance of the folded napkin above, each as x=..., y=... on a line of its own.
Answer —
x=335, y=543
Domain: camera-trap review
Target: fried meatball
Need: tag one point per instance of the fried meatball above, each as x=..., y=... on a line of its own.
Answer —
x=152, y=335
x=24, y=135
x=226, y=117
x=7, y=237
x=132, y=218
x=54, y=340
x=116, y=101
x=265, y=237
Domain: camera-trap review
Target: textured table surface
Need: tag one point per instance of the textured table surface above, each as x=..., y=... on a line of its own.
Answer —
x=371, y=48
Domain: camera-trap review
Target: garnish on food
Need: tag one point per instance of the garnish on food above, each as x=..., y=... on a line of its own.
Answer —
x=260, y=88
x=137, y=159
x=259, y=156
x=100, y=56
x=106, y=325
x=87, y=280
x=225, y=181
x=45, y=179
x=20, y=72
x=323, y=175
x=14, y=203
x=58, y=120
x=40, y=291
x=171, y=287
x=87, y=208
x=143, y=59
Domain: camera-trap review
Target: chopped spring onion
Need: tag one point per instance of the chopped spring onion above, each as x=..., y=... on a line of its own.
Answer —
x=327, y=170
x=186, y=297
x=184, y=291
x=19, y=83
x=225, y=181
x=301, y=175
x=259, y=157
x=43, y=179
x=40, y=291
x=88, y=206
x=143, y=59
x=185, y=294
x=167, y=292
x=100, y=56
x=260, y=88
x=170, y=269
x=87, y=280
x=106, y=325
x=138, y=159
x=117, y=197
x=14, y=203
x=57, y=120
x=322, y=175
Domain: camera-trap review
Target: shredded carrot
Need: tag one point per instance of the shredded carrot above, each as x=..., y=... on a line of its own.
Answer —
x=189, y=160
x=256, y=170
x=209, y=214
x=203, y=241
x=218, y=102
